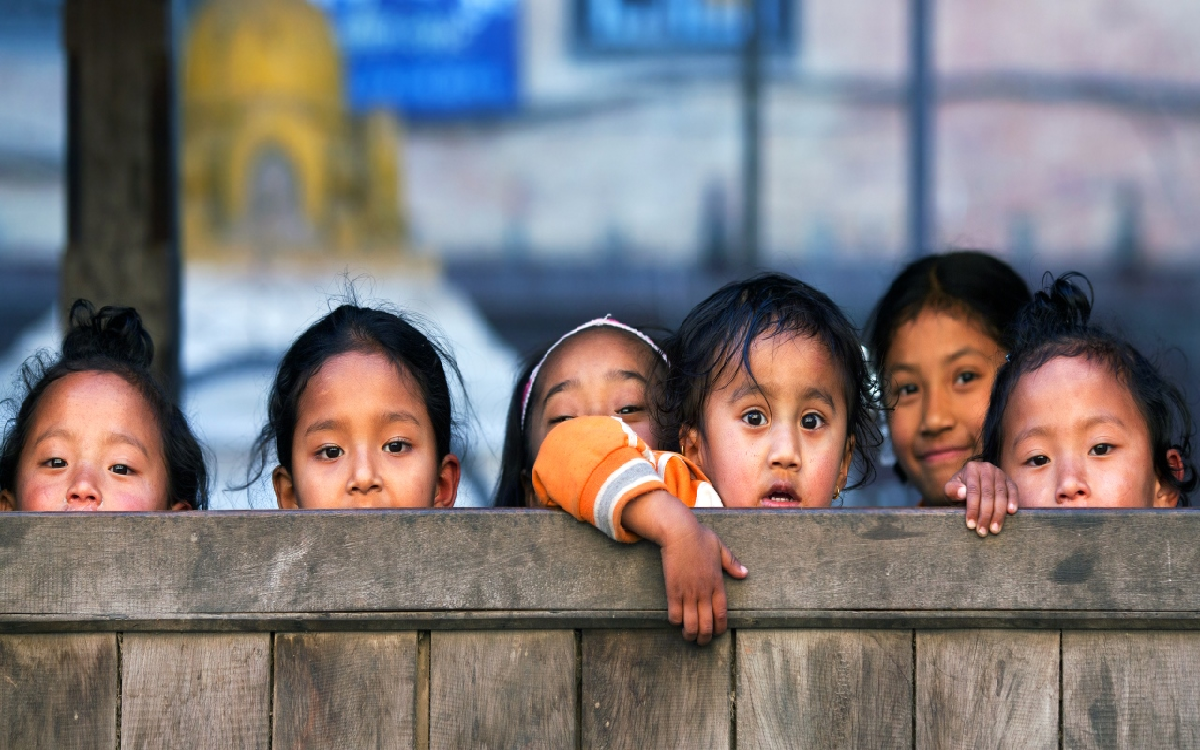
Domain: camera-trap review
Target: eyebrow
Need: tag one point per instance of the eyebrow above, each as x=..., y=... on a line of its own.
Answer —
x=390, y=417
x=1040, y=431
x=951, y=357
x=611, y=375
x=813, y=392
x=109, y=439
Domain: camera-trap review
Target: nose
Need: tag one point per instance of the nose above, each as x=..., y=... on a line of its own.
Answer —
x=364, y=477
x=1072, y=483
x=936, y=415
x=84, y=492
x=785, y=446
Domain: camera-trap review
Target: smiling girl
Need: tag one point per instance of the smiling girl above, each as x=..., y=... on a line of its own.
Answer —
x=937, y=337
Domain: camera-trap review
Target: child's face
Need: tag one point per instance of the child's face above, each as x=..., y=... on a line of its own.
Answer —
x=595, y=373
x=780, y=442
x=1074, y=438
x=941, y=369
x=93, y=444
x=364, y=439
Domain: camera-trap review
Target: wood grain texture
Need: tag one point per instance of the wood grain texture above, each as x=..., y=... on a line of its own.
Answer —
x=503, y=690
x=195, y=691
x=987, y=689
x=644, y=689
x=329, y=562
x=344, y=689
x=824, y=688
x=1131, y=690
x=58, y=691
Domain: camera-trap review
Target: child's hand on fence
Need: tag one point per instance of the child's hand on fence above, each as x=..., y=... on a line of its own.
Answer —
x=693, y=559
x=989, y=495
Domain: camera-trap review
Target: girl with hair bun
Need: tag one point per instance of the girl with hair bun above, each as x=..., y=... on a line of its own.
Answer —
x=96, y=431
x=937, y=337
x=1079, y=418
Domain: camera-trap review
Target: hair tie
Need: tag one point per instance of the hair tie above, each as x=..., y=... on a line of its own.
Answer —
x=606, y=322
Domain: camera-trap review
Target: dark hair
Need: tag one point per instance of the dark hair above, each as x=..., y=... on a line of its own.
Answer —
x=981, y=286
x=1055, y=324
x=719, y=332
x=516, y=460
x=515, y=456
x=351, y=328
x=113, y=340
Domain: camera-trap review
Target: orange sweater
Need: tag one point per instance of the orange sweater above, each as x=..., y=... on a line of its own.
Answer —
x=592, y=467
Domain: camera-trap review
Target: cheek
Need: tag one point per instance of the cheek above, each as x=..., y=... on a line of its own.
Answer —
x=902, y=424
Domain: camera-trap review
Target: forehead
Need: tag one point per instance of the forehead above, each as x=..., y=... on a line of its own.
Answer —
x=596, y=350
x=935, y=334
x=360, y=377
x=94, y=394
x=1071, y=389
x=789, y=361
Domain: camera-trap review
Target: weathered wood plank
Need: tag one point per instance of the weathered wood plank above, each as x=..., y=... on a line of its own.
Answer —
x=58, y=691
x=1131, y=690
x=987, y=689
x=824, y=688
x=503, y=689
x=282, y=562
x=195, y=691
x=344, y=689
x=653, y=689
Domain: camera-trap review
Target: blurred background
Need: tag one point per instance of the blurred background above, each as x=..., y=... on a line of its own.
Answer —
x=510, y=168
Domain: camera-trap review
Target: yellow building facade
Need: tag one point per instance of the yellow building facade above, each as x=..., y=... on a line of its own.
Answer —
x=273, y=163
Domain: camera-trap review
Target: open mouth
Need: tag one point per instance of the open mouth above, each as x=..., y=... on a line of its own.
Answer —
x=781, y=497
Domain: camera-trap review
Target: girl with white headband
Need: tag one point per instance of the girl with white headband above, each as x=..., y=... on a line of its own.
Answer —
x=599, y=376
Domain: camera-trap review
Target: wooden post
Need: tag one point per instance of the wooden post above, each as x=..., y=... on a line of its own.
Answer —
x=121, y=212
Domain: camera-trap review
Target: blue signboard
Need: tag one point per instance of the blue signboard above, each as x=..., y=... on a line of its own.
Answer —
x=429, y=58
x=680, y=25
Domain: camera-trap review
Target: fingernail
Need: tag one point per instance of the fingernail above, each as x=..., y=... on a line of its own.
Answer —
x=970, y=523
x=1012, y=507
x=962, y=492
x=982, y=531
x=741, y=568
x=995, y=528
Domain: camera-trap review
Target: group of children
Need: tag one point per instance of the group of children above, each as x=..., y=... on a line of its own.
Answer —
x=763, y=397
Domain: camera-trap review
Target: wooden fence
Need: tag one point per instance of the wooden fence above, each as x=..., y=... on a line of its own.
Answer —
x=514, y=629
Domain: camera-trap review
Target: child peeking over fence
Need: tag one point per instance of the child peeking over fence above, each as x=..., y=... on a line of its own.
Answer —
x=360, y=416
x=1079, y=418
x=767, y=393
x=95, y=430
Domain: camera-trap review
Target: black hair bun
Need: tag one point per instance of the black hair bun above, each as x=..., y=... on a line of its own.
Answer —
x=114, y=333
x=1063, y=306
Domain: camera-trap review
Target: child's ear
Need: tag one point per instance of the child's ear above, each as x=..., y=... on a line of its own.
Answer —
x=285, y=489
x=181, y=505
x=844, y=469
x=447, y=482
x=689, y=444
x=7, y=500
x=1167, y=496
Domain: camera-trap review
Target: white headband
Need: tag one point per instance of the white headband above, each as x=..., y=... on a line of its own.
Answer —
x=605, y=322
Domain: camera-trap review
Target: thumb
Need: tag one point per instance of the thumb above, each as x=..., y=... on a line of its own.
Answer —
x=956, y=489
x=731, y=564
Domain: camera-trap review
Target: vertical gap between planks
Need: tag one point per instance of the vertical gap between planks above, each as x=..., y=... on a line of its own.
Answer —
x=421, y=693
x=1060, y=690
x=914, y=690
x=578, y=689
x=120, y=697
x=271, y=692
x=733, y=657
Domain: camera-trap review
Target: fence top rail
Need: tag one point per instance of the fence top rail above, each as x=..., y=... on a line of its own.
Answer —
x=493, y=568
